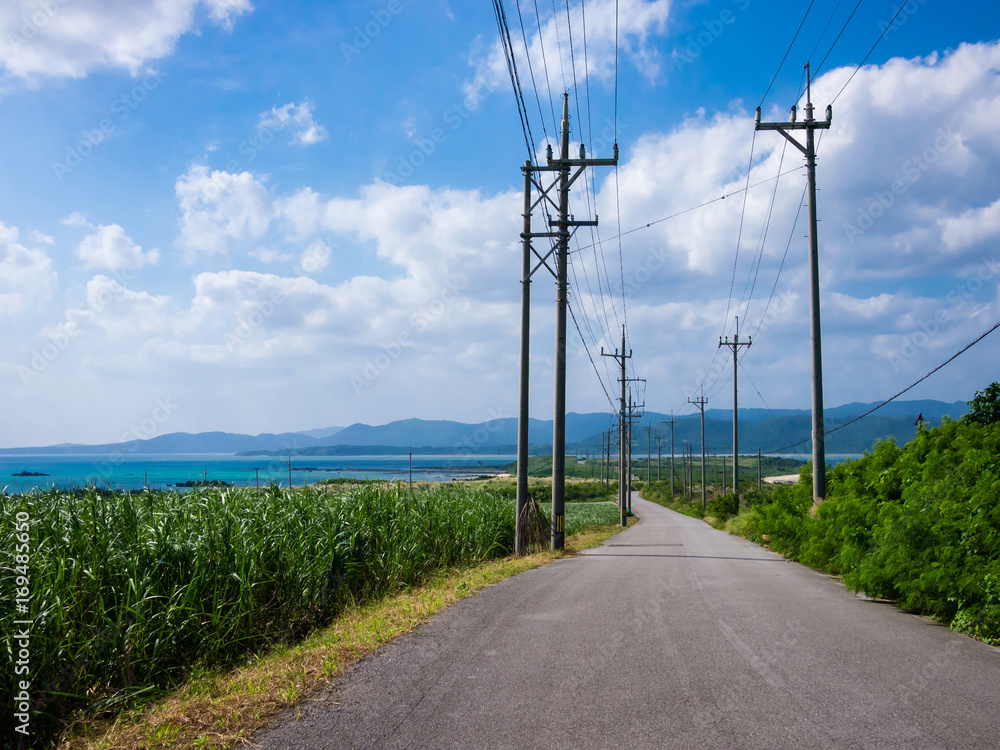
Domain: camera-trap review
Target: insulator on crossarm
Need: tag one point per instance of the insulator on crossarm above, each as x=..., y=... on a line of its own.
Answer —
x=794, y=111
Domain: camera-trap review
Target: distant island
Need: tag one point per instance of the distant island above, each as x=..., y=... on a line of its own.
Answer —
x=29, y=474
x=769, y=430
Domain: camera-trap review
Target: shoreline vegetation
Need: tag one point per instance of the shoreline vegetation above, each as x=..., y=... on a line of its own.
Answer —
x=141, y=597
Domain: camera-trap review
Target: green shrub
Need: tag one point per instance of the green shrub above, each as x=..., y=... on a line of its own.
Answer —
x=723, y=507
x=916, y=524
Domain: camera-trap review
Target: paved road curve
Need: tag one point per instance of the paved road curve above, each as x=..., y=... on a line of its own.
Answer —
x=671, y=635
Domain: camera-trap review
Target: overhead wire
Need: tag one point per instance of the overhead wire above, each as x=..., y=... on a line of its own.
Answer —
x=842, y=30
x=868, y=54
x=531, y=70
x=508, y=47
x=892, y=398
x=787, y=51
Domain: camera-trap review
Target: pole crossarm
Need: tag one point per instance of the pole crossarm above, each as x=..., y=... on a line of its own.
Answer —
x=563, y=166
x=810, y=125
x=735, y=345
x=700, y=403
x=620, y=359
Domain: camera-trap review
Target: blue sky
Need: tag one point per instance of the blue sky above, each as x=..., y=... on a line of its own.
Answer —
x=255, y=216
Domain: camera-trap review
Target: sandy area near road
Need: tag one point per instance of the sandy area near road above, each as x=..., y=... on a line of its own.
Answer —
x=783, y=479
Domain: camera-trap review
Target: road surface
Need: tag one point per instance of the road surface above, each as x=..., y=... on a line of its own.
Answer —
x=670, y=635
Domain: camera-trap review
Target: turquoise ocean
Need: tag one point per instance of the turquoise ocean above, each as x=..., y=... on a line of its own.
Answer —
x=166, y=471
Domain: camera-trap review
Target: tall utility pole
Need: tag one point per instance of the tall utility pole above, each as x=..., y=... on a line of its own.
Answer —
x=658, y=436
x=621, y=357
x=735, y=345
x=520, y=542
x=608, y=457
x=564, y=165
x=632, y=416
x=690, y=473
x=649, y=452
x=810, y=125
x=700, y=403
x=602, y=458
x=671, y=422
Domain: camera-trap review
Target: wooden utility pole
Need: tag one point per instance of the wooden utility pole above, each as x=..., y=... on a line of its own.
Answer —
x=649, y=452
x=735, y=345
x=620, y=357
x=810, y=125
x=700, y=403
x=658, y=436
x=671, y=422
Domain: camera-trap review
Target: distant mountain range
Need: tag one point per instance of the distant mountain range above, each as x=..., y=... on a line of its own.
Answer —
x=759, y=428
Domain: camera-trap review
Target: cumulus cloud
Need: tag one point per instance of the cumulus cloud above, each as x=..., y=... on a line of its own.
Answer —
x=71, y=38
x=432, y=234
x=305, y=130
x=634, y=21
x=116, y=310
x=26, y=275
x=110, y=248
x=217, y=207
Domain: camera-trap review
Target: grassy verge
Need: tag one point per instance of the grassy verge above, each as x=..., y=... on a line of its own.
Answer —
x=219, y=708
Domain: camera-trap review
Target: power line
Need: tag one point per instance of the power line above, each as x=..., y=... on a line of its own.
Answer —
x=788, y=244
x=909, y=387
x=700, y=205
x=531, y=70
x=796, y=36
x=508, y=48
x=587, y=349
x=766, y=406
x=865, y=59
x=842, y=30
x=739, y=235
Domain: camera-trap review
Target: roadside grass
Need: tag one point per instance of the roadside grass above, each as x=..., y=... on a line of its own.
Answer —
x=221, y=708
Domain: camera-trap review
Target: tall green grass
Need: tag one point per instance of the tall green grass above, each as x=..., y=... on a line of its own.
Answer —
x=129, y=590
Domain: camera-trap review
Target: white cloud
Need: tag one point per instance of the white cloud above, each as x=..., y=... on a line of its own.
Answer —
x=26, y=275
x=115, y=310
x=75, y=219
x=270, y=255
x=306, y=132
x=110, y=248
x=218, y=207
x=971, y=227
x=634, y=21
x=71, y=38
x=432, y=234
x=315, y=257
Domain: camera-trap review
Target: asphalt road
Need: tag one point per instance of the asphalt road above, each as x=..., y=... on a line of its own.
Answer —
x=670, y=635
